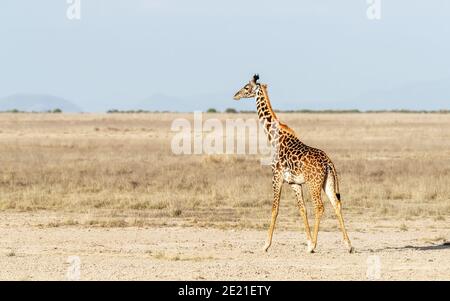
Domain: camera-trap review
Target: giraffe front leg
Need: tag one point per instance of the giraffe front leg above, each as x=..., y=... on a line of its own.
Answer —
x=277, y=182
x=302, y=209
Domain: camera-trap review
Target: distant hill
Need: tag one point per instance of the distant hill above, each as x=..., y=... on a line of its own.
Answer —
x=36, y=103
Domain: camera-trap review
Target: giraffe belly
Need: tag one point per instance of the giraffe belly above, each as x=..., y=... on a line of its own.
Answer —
x=290, y=178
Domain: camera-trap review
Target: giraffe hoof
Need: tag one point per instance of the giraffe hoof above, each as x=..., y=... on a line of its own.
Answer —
x=351, y=250
x=310, y=248
x=266, y=247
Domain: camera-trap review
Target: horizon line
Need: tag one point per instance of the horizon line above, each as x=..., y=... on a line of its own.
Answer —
x=230, y=111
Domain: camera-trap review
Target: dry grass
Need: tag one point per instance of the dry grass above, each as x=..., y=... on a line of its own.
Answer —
x=120, y=168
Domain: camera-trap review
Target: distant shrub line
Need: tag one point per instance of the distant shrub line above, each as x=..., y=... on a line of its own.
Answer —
x=230, y=110
x=114, y=111
x=234, y=111
x=363, y=111
x=328, y=111
x=54, y=111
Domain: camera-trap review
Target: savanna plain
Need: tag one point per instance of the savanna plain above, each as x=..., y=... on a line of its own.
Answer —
x=109, y=189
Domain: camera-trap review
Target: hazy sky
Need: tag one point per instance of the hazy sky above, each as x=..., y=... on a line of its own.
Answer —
x=313, y=54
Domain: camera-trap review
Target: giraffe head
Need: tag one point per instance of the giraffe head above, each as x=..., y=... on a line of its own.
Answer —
x=249, y=90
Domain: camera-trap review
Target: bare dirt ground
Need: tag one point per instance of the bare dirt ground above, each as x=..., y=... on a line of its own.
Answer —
x=109, y=189
x=30, y=251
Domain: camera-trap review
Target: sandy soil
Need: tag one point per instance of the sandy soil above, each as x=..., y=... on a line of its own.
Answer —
x=30, y=251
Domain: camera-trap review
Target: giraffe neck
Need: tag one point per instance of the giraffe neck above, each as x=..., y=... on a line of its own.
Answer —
x=266, y=114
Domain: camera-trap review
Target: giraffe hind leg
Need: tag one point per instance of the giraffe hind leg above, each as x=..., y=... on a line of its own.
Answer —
x=335, y=199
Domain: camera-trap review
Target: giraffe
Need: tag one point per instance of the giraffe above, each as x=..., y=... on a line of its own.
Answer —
x=297, y=164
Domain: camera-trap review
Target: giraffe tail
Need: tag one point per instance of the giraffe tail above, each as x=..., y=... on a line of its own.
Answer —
x=333, y=172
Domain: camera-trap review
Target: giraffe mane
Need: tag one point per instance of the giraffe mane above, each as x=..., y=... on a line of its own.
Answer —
x=269, y=106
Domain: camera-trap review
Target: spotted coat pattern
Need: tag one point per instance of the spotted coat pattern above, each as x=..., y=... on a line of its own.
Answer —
x=297, y=164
